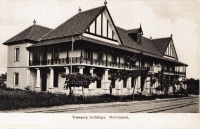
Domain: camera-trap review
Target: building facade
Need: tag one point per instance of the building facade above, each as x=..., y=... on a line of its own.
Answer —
x=88, y=42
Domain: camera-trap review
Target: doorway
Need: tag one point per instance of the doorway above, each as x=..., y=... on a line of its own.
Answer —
x=44, y=81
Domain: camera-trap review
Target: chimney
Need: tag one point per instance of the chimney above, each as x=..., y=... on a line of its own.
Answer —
x=139, y=39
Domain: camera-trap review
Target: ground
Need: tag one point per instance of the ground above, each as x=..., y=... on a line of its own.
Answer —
x=172, y=105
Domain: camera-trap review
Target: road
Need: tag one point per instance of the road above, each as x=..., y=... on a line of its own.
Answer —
x=175, y=105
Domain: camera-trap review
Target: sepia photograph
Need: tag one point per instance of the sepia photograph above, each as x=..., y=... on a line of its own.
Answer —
x=112, y=61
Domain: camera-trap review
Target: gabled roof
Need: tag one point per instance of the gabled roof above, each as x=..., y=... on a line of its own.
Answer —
x=147, y=45
x=162, y=44
x=78, y=24
x=75, y=25
x=32, y=33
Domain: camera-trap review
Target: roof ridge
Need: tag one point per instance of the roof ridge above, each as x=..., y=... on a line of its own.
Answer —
x=30, y=32
x=91, y=9
x=162, y=38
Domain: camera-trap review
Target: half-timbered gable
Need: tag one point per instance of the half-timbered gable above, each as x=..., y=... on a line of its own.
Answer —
x=166, y=47
x=171, y=51
x=103, y=28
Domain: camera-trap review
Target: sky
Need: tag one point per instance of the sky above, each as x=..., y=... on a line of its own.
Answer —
x=159, y=18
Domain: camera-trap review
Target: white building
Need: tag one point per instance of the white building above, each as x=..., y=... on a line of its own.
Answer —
x=38, y=55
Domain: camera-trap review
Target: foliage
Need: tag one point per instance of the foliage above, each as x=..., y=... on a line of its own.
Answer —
x=192, y=86
x=133, y=58
x=27, y=88
x=124, y=74
x=159, y=88
x=18, y=99
x=3, y=79
x=78, y=80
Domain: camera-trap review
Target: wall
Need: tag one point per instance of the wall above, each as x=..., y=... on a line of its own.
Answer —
x=17, y=66
x=22, y=77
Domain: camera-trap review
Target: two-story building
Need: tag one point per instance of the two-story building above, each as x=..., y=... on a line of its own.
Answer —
x=88, y=42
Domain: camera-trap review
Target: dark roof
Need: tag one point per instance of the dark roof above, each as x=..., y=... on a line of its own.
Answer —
x=162, y=44
x=75, y=25
x=149, y=46
x=32, y=33
x=146, y=44
x=55, y=41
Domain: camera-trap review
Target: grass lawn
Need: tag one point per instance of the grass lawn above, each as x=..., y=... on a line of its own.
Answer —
x=18, y=99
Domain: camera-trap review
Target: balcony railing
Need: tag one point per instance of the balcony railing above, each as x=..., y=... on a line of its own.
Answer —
x=79, y=60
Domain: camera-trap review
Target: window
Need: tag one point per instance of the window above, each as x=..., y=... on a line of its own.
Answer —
x=17, y=54
x=16, y=79
x=36, y=56
x=56, y=74
x=114, y=59
x=99, y=76
x=87, y=55
x=99, y=56
x=55, y=54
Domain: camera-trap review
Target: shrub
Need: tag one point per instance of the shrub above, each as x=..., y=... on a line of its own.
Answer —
x=18, y=99
x=27, y=88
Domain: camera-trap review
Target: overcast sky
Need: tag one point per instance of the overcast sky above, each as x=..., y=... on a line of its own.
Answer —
x=158, y=18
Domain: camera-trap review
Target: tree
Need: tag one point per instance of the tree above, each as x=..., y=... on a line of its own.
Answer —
x=160, y=75
x=134, y=74
x=192, y=86
x=3, y=79
x=78, y=80
x=113, y=77
x=174, y=81
x=152, y=81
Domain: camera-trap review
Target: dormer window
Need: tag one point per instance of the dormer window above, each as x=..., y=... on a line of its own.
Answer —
x=17, y=54
x=136, y=34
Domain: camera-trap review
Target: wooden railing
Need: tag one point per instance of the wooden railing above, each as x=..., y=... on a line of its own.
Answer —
x=79, y=60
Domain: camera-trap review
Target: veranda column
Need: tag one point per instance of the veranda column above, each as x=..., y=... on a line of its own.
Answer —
x=66, y=70
x=155, y=85
x=38, y=78
x=92, y=71
x=81, y=72
x=92, y=85
x=129, y=85
x=106, y=87
x=28, y=73
x=51, y=78
x=118, y=87
x=81, y=69
x=138, y=84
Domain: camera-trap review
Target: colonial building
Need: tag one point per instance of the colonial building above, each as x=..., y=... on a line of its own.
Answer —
x=88, y=42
